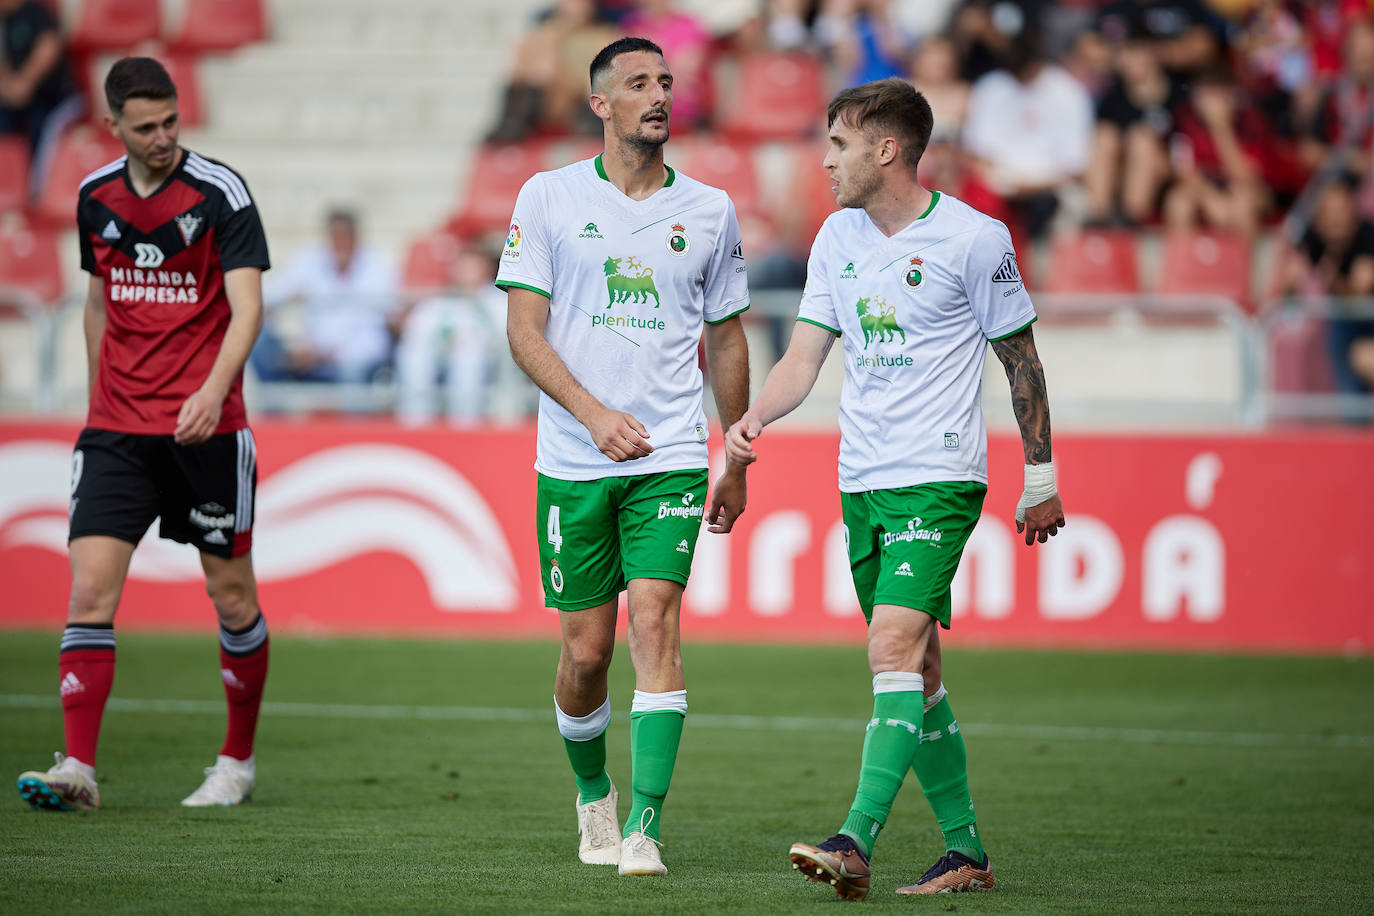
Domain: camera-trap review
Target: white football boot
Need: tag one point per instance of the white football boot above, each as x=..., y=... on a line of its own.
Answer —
x=599, y=825
x=228, y=782
x=639, y=852
x=68, y=785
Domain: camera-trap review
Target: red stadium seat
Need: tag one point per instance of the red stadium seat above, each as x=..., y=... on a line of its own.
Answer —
x=1093, y=262
x=14, y=174
x=808, y=200
x=769, y=96
x=1298, y=354
x=220, y=25
x=721, y=164
x=29, y=261
x=82, y=150
x=429, y=261
x=496, y=176
x=115, y=24
x=1205, y=263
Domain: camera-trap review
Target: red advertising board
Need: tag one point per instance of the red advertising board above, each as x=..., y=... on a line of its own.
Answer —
x=1174, y=542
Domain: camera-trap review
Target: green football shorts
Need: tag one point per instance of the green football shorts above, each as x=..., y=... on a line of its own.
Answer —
x=596, y=535
x=905, y=543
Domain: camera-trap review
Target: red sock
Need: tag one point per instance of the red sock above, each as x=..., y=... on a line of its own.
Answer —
x=84, y=679
x=244, y=677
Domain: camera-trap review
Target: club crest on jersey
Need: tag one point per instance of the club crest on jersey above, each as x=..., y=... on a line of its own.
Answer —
x=678, y=243
x=510, y=253
x=636, y=285
x=189, y=226
x=915, y=275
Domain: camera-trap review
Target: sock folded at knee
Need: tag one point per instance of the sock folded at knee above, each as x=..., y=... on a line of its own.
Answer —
x=584, y=738
x=656, y=721
x=890, y=744
x=85, y=671
x=941, y=765
x=243, y=668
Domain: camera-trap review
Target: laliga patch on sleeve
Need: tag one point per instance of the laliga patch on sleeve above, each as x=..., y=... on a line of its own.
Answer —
x=510, y=254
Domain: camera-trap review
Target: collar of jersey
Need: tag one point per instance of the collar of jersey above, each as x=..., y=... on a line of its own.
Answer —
x=601, y=170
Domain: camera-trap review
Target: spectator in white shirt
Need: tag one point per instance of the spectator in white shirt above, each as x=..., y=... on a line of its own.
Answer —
x=349, y=293
x=1029, y=128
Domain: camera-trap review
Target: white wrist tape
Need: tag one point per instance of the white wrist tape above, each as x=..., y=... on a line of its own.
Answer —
x=1039, y=487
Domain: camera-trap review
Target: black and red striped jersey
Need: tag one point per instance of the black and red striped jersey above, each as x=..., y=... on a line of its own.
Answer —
x=163, y=259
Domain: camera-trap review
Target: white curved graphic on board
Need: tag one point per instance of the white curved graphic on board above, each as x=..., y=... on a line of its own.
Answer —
x=318, y=512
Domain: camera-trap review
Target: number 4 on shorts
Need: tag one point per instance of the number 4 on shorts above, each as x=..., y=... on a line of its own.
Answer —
x=555, y=530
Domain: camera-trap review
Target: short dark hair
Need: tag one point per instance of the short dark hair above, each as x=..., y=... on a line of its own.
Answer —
x=891, y=108
x=601, y=64
x=137, y=78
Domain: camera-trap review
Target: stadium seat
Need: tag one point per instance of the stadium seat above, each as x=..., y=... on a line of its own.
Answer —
x=771, y=95
x=1299, y=359
x=82, y=150
x=807, y=200
x=1093, y=262
x=1205, y=263
x=722, y=164
x=494, y=181
x=220, y=25
x=29, y=261
x=14, y=174
x=114, y=24
x=429, y=261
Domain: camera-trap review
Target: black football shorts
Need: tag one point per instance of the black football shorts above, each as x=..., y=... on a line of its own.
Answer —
x=203, y=493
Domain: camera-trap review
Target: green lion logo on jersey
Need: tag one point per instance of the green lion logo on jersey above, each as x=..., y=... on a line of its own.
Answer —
x=880, y=325
x=637, y=287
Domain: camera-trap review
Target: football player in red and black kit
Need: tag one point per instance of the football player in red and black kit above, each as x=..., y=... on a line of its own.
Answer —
x=176, y=251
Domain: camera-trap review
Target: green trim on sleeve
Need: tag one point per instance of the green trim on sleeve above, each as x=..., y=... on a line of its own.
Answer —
x=823, y=327
x=506, y=285
x=1014, y=333
x=731, y=315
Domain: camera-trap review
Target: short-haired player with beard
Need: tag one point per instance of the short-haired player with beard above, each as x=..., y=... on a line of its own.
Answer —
x=916, y=284
x=176, y=251
x=615, y=269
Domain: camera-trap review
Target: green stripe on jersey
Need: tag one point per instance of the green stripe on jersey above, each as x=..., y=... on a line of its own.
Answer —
x=1014, y=333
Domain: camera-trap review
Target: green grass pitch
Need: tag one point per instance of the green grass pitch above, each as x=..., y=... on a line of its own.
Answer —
x=426, y=776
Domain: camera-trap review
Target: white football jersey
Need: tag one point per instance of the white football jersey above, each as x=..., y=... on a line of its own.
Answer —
x=916, y=312
x=629, y=284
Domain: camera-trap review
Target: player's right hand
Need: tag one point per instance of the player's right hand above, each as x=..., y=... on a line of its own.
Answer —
x=739, y=439
x=618, y=435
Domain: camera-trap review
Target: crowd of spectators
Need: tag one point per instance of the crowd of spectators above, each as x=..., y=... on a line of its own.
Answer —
x=1252, y=118
x=1226, y=116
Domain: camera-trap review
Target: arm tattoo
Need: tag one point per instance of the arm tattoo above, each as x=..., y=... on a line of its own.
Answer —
x=1029, y=400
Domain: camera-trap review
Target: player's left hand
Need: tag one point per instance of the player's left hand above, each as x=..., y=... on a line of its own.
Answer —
x=1042, y=521
x=198, y=418
x=728, y=497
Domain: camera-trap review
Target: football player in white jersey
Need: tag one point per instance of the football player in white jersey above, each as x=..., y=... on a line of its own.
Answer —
x=614, y=267
x=916, y=284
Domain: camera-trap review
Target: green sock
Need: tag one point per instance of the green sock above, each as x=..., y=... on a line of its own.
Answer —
x=941, y=765
x=588, y=759
x=889, y=746
x=654, y=737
